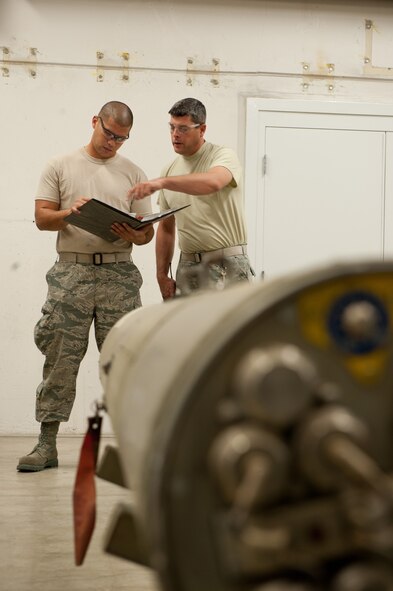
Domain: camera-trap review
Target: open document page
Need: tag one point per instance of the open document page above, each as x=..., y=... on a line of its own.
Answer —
x=97, y=217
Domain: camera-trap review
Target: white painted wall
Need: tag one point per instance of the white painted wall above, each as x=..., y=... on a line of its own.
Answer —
x=220, y=51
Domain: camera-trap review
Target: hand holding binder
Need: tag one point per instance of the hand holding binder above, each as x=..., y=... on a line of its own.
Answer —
x=97, y=218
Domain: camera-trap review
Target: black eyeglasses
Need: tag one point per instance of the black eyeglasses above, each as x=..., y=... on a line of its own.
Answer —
x=112, y=136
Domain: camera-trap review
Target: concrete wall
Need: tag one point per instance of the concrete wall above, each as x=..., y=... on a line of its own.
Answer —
x=61, y=60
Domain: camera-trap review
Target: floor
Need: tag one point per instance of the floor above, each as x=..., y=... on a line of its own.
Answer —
x=36, y=531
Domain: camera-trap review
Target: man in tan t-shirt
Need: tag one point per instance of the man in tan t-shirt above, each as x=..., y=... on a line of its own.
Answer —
x=211, y=232
x=93, y=280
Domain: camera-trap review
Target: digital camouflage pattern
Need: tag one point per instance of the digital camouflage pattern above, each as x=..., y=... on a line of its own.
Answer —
x=77, y=296
x=219, y=274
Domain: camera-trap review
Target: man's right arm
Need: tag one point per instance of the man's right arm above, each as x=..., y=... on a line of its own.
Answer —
x=48, y=216
x=165, y=245
x=196, y=183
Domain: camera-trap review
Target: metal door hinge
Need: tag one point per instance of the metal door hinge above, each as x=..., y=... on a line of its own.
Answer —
x=264, y=164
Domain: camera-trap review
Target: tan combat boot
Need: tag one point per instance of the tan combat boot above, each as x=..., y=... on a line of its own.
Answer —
x=44, y=455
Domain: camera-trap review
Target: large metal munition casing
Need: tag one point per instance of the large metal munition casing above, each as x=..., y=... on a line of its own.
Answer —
x=295, y=370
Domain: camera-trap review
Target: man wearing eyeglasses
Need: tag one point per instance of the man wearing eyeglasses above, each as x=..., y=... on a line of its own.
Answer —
x=93, y=280
x=212, y=232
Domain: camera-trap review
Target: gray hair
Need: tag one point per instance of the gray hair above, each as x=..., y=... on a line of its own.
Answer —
x=189, y=106
x=120, y=113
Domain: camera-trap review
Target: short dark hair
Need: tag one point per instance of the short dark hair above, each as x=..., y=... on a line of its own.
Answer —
x=120, y=112
x=189, y=106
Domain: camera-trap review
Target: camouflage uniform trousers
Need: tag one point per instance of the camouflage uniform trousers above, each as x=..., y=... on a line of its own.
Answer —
x=216, y=274
x=78, y=295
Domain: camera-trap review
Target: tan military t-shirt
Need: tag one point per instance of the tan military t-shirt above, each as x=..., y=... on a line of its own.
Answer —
x=66, y=178
x=212, y=221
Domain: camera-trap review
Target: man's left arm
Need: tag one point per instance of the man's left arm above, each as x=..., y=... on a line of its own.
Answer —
x=198, y=183
x=143, y=235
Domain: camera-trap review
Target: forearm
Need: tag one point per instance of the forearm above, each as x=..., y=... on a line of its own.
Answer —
x=144, y=237
x=52, y=220
x=192, y=184
x=165, y=245
x=199, y=183
x=138, y=237
x=48, y=216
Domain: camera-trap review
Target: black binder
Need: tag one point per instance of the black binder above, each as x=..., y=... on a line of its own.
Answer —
x=97, y=217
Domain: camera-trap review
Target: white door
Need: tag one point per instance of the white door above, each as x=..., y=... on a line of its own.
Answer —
x=315, y=187
x=324, y=197
x=388, y=227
